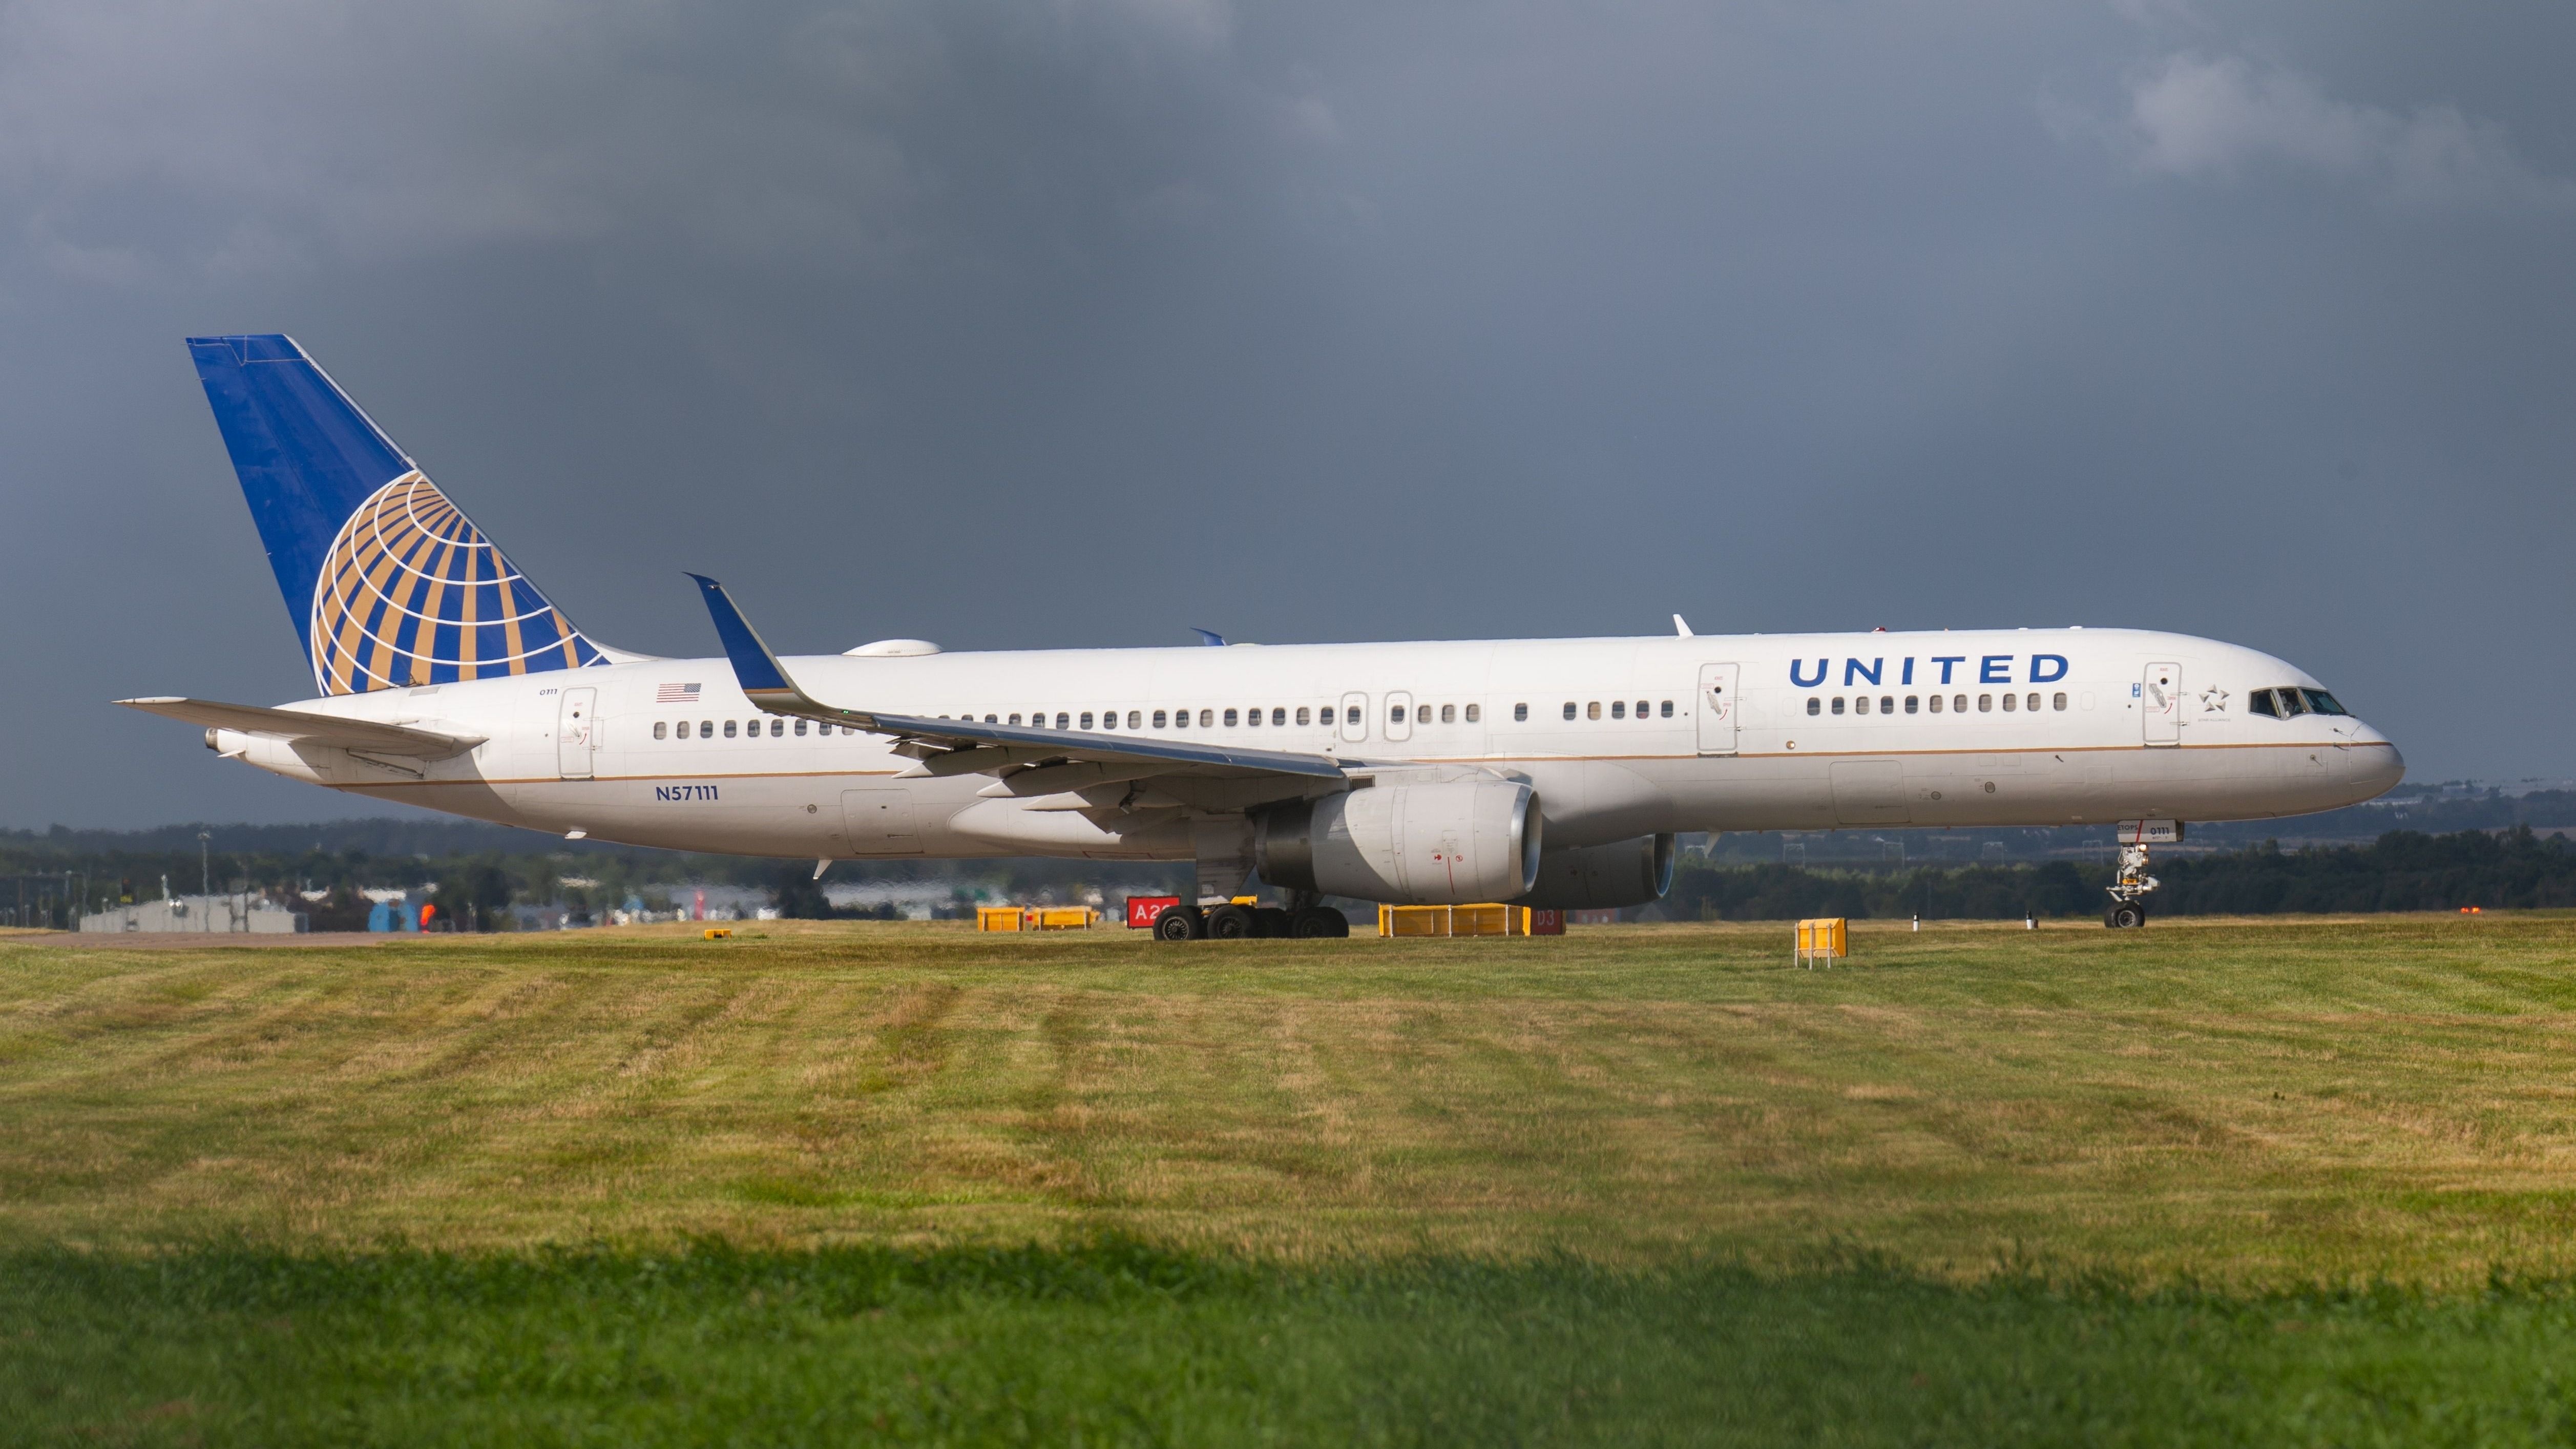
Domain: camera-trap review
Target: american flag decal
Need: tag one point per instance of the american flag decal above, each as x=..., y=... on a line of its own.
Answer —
x=676, y=694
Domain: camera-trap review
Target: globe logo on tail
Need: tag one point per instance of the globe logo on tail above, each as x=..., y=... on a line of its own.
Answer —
x=412, y=593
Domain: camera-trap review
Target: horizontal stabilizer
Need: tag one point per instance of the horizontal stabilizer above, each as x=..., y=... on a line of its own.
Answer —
x=315, y=729
x=765, y=681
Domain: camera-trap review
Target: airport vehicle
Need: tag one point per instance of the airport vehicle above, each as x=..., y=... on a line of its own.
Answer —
x=1548, y=772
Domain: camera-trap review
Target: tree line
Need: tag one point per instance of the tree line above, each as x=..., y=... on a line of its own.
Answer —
x=2402, y=870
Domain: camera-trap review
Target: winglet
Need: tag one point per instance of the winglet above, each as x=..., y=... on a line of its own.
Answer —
x=754, y=667
x=1209, y=637
x=1681, y=627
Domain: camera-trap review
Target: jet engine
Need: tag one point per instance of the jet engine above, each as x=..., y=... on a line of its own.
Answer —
x=1431, y=845
x=1602, y=877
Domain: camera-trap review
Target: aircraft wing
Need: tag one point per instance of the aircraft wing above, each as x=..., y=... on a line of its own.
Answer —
x=959, y=746
x=319, y=729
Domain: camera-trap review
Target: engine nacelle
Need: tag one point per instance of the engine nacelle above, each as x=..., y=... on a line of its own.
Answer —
x=1427, y=845
x=1603, y=877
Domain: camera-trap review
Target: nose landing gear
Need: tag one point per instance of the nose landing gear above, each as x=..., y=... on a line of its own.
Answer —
x=2129, y=888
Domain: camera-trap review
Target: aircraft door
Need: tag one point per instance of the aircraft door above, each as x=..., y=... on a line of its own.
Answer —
x=1717, y=709
x=576, y=732
x=1355, y=717
x=2160, y=704
x=1399, y=716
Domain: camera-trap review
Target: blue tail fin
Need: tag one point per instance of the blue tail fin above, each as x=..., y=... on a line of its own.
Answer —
x=389, y=584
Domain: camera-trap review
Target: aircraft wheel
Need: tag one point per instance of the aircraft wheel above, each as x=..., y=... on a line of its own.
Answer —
x=1319, y=923
x=1230, y=923
x=2126, y=916
x=1180, y=923
x=1271, y=921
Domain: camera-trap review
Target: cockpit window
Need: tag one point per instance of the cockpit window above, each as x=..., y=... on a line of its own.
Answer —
x=2291, y=704
x=2322, y=702
x=2260, y=702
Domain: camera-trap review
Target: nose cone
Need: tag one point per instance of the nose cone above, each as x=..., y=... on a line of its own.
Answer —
x=2372, y=765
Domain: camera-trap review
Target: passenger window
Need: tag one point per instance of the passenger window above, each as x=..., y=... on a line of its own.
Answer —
x=1861, y=705
x=707, y=728
x=729, y=729
x=1354, y=713
x=1641, y=709
x=661, y=729
x=1448, y=714
x=2031, y=704
x=1592, y=710
x=1475, y=712
x=2008, y=704
x=1085, y=722
x=1520, y=714
x=684, y=729
x=1279, y=715
x=1060, y=720
x=2057, y=702
x=1887, y=704
x=800, y=729
x=1015, y=719
x=1135, y=719
x=1161, y=719
x=1422, y=715
x=1569, y=709
x=1958, y=704
x=1815, y=705
x=1252, y=716
x=1985, y=703
x=1668, y=709
x=1618, y=709
x=1305, y=715
x=1838, y=704
x=1229, y=719
x=1936, y=704
x=1395, y=714
x=1913, y=704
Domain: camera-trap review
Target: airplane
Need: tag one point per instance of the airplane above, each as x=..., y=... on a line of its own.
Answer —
x=1553, y=773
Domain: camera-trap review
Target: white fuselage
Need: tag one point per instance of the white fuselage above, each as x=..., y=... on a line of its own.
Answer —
x=1792, y=752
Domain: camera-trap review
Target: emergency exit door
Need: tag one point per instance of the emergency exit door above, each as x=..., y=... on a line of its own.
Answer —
x=576, y=732
x=1717, y=709
x=2160, y=704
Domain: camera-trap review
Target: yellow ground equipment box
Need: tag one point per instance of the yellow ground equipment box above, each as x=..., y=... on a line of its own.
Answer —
x=719, y=933
x=1487, y=920
x=1825, y=939
x=1035, y=918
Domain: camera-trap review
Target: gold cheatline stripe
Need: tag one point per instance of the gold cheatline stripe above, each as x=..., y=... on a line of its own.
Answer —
x=1421, y=760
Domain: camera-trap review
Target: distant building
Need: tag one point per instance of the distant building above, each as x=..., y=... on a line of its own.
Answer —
x=216, y=915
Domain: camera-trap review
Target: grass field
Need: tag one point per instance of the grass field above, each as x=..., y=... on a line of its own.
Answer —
x=2219, y=1180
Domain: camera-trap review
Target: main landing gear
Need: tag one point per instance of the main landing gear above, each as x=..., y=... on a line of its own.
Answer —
x=1306, y=920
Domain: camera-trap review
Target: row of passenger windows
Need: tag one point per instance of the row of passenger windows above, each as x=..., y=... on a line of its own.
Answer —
x=1208, y=719
x=1958, y=703
x=2290, y=703
x=1277, y=716
x=706, y=728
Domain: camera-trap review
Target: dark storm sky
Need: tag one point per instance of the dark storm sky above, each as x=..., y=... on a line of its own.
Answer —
x=1046, y=324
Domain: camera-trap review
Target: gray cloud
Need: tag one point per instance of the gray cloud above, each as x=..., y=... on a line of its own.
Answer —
x=2220, y=116
x=1059, y=324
